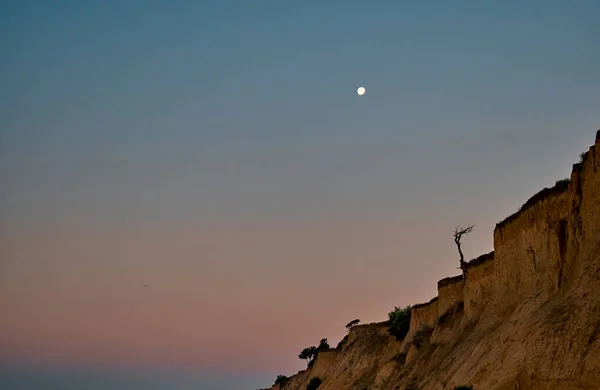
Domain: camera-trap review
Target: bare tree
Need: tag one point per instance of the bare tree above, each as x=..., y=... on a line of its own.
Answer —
x=460, y=231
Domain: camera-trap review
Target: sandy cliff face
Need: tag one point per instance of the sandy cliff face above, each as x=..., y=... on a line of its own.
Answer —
x=526, y=316
x=450, y=293
x=361, y=359
x=423, y=315
x=479, y=285
x=531, y=250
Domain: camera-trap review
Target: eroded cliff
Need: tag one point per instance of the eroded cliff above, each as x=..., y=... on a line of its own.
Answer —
x=525, y=316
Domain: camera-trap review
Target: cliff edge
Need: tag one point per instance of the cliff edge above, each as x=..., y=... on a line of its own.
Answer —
x=525, y=316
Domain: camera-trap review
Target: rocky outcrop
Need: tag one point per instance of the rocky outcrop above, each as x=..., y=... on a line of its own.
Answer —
x=525, y=316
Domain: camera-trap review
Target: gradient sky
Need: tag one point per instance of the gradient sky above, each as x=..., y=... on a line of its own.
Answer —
x=218, y=151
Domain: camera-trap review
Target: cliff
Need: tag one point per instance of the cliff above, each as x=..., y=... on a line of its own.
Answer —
x=525, y=316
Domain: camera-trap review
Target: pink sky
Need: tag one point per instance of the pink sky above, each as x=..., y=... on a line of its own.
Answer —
x=220, y=153
x=244, y=298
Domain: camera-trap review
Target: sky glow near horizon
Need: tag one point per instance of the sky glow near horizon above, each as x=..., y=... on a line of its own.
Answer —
x=218, y=152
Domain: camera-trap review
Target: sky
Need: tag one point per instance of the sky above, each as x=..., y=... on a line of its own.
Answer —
x=218, y=152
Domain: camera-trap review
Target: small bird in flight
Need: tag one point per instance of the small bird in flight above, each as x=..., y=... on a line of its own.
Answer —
x=146, y=285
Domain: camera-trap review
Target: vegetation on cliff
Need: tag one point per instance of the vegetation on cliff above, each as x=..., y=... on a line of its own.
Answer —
x=460, y=231
x=342, y=342
x=310, y=353
x=399, y=322
x=281, y=380
x=352, y=324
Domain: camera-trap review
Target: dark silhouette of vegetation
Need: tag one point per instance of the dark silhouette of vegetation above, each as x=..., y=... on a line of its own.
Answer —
x=281, y=380
x=323, y=345
x=399, y=322
x=349, y=326
x=352, y=324
x=314, y=383
x=463, y=387
x=310, y=353
x=342, y=342
x=460, y=231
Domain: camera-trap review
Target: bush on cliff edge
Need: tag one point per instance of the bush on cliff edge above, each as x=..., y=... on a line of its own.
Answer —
x=342, y=342
x=399, y=322
x=281, y=380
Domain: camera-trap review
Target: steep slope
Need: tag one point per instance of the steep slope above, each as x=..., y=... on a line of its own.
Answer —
x=526, y=316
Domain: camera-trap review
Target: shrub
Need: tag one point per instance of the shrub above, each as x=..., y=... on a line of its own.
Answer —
x=399, y=322
x=463, y=387
x=352, y=324
x=342, y=342
x=323, y=345
x=308, y=353
x=281, y=380
x=314, y=383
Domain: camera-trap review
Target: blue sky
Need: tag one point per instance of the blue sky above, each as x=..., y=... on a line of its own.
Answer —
x=123, y=121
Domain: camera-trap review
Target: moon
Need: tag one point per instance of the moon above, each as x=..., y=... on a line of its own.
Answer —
x=361, y=91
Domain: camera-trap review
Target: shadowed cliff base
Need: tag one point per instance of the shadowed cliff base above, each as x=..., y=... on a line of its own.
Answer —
x=524, y=316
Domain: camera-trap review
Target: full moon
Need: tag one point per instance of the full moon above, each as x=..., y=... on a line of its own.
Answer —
x=361, y=91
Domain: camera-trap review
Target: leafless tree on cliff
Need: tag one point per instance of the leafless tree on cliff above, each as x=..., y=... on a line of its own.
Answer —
x=460, y=231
